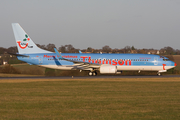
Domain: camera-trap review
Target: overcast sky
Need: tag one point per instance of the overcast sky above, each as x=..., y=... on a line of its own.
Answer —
x=93, y=23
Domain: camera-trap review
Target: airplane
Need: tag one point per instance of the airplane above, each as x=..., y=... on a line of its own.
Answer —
x=92, y=62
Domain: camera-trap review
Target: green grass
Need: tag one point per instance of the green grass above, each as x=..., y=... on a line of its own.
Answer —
x=100, y=99
x=29, y=69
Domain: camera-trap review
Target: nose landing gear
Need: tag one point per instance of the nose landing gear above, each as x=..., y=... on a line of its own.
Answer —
x=159, y=74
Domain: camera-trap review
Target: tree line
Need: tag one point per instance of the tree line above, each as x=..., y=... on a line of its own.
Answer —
x=105, y=49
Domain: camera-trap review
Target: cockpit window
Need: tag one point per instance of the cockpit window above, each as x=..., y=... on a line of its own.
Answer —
x=165, y=59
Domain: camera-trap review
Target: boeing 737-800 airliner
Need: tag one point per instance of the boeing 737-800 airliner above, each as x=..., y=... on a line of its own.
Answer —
x=104, y=63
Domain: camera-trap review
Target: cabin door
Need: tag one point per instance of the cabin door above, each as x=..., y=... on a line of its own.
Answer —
x=155, y=60
x=40, y=59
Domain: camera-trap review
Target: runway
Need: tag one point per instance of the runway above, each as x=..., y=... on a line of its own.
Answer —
x=90, y=77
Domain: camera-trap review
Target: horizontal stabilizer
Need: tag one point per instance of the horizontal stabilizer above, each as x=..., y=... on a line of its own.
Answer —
x=17, y=54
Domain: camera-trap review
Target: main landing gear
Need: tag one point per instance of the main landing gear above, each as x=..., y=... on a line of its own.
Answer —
x=93, y=73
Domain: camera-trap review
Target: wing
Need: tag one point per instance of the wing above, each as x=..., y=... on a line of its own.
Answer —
x=79, y=64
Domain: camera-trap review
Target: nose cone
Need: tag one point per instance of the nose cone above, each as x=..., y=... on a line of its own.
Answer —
x=175, y=64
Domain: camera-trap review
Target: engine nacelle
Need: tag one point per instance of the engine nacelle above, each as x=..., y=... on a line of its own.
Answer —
x=104, y=69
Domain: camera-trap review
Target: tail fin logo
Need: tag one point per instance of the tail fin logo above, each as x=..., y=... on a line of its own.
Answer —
x=24, y=45
x=27, y=38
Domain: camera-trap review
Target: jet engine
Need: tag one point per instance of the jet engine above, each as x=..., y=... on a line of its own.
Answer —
x=104, y=69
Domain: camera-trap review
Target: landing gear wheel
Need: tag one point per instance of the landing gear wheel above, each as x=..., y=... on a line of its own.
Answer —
x=159, y=74
x=94, y=73
x=90, y=73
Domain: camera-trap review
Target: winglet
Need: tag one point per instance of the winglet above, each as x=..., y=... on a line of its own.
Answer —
x=57, y=53
x=80, y=51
